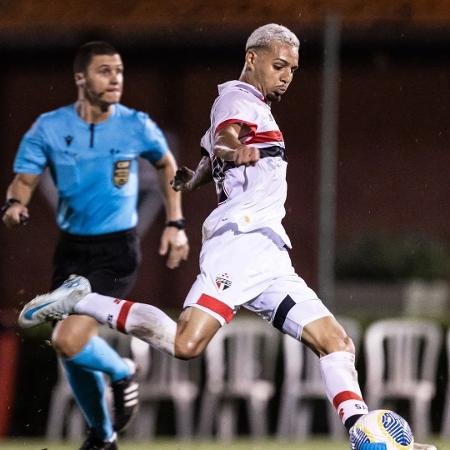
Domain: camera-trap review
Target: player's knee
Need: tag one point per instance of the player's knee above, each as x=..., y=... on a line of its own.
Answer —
x=68, y=344
x=187, y=349
x=338, y=343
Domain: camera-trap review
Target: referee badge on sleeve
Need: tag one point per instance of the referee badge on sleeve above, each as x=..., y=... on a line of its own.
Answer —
x=121, y=172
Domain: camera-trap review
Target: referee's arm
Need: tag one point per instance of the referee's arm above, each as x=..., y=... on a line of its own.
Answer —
x=18, y=195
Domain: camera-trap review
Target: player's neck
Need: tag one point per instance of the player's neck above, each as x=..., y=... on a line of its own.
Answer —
x=93, y=113
x=249, y=80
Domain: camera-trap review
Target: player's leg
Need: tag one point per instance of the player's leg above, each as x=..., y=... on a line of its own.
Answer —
x=337, y=363
x=293, y=308
x=184, y=340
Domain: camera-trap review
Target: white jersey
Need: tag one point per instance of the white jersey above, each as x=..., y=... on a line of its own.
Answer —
x=250, y=197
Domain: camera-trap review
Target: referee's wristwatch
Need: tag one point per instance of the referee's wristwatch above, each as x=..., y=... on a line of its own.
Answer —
x=8, y=204
x=179, y=223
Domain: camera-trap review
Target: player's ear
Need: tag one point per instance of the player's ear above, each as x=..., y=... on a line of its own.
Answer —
x=79, y=79
x=250, y=58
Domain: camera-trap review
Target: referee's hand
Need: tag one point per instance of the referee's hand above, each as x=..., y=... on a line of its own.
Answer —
x=174, y=242
x=15, y=215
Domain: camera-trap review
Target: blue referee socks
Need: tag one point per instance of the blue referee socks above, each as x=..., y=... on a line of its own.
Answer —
x=85, y=375
x=97, y=354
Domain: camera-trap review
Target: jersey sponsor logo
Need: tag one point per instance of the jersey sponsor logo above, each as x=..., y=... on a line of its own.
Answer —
x=121, y=172
x=223, y=281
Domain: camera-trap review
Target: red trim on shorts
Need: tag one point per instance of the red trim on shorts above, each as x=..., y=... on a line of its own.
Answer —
x=216, y=306
x=222, y=125
x=344, y=396
x=123, y=315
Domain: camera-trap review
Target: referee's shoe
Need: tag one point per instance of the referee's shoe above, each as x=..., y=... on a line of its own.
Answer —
x=126, y=398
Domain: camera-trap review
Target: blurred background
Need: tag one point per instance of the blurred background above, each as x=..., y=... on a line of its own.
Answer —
x=367, y=128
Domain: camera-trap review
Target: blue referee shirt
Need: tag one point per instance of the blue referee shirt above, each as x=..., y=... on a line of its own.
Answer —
x=94, y=167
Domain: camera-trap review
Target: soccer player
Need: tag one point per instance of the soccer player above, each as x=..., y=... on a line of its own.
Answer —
x=91, y=148
x=244, y=259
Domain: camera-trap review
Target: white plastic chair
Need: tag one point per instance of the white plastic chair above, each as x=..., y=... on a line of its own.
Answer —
x=402, y=357
x=240, y=365
x=65, y=420
x=161, y=378
x=302, y=383
x=446, y=422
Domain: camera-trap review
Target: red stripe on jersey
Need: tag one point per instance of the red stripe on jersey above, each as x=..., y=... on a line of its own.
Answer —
x=266, y=136
x=344, y=396
x=123, y=314
x=216, y=306
x=222, y=125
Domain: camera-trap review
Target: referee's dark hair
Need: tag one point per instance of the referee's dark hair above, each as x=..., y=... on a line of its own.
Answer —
x=87, y=51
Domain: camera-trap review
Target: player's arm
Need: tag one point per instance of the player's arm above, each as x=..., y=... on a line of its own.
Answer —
x=187, y=180
x=229, y=148
x=18, y=195
x=173, y=240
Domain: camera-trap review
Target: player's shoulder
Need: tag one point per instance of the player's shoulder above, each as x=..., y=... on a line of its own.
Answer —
x=237, y=94
x=238, y=89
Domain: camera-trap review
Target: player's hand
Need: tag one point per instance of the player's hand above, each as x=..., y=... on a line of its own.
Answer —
x=246, y=156
x=175, y=243
x=15, y=215
x=181, y=182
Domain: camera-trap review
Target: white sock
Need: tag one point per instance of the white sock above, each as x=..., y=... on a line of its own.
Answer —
x=138, y=319
x=341, y=384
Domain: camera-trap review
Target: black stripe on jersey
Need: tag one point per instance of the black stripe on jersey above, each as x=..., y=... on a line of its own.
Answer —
x=283, y=308
x=219, y=167
x=204, y=152
x=273, y=152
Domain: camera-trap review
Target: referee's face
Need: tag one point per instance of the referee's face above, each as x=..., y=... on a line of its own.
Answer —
x=104, y=79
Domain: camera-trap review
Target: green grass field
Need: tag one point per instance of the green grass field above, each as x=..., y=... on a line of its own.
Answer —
x=20, y=444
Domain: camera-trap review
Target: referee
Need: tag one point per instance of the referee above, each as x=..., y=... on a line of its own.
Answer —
x=91, y=148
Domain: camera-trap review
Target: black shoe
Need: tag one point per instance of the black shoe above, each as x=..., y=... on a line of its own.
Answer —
x=94, y=443
x=126, y=401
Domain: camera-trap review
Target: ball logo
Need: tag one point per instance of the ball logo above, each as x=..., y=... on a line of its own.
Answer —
x=393, y=424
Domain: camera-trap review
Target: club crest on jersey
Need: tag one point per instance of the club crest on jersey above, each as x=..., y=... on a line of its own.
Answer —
x=121, y=172
x=223, y=281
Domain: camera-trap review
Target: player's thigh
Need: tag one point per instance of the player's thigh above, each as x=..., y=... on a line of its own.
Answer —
x=290, y=305
x=196, y=325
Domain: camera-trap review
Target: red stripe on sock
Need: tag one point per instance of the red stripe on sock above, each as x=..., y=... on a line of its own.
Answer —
x=344, y=396
x=217, y=306
x=123, y=314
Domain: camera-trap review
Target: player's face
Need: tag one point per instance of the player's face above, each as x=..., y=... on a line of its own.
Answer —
x=274, y=69
x=104, y=79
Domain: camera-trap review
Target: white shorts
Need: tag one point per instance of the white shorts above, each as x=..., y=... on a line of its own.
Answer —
x=253, y=270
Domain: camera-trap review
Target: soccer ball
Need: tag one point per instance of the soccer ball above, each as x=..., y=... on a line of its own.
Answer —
x=384, y=427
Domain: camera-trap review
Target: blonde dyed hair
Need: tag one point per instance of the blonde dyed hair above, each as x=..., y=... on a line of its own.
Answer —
x=266, y=35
